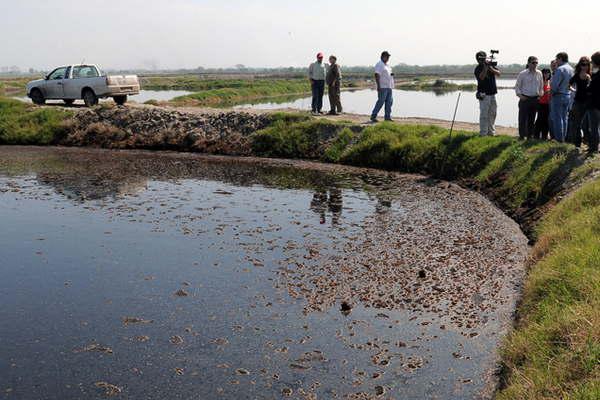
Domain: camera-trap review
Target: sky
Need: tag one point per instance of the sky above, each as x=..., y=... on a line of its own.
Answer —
x=168, y=34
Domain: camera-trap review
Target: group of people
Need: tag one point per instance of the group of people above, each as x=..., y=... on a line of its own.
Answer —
x=320, y=75
x=561, y=102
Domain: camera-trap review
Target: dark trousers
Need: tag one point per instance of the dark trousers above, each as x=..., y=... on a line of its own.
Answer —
x=318, y=90
x=576, y=118
x=527, y=112
x=594, y=130
x=542, y=124
x=334, y=98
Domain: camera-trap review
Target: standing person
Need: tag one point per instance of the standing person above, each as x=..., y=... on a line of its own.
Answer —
x=542, y=124
x=529, y=89
x=384, y=77
x=486, y=74
x=561, y=96
x=316, y=75
x=553, y=66
x=334, y=85
x=580, y=82
x=594, y=105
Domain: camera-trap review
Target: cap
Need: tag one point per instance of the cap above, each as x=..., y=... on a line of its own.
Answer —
x=385, y=54
x=319, y=55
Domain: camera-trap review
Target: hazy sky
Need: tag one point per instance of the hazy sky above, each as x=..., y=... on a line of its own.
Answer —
x=209, y=33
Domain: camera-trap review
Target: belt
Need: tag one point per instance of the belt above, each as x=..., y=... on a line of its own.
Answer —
x=531, y=97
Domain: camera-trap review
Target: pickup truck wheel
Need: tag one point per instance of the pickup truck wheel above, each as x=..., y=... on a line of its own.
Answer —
x=69, y=102
x=120, y=100
x=89, y=98
x=37, y=97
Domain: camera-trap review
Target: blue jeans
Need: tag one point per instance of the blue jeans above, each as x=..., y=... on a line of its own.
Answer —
x=384, y=96
x=559, y=115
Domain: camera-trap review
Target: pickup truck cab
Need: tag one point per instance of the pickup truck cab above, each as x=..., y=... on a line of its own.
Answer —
x=82, y=81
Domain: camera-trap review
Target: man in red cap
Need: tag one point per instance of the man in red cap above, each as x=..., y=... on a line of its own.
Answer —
x=316, y=74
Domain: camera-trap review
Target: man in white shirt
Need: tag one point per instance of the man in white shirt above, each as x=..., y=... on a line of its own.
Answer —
x=529, y=89
x=316, y=75
x=384, y=77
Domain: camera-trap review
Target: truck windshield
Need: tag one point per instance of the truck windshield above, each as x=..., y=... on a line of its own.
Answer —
x=85, y=71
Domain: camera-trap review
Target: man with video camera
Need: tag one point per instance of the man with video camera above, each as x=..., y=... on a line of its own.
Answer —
x=486, y=73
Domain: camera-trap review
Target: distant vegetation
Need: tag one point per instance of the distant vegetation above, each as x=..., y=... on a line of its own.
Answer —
x=437, y=85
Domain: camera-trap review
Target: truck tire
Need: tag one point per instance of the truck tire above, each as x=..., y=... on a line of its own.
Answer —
x=89, y=98
x=120, y=100
x=37, y=97
x=69, y=102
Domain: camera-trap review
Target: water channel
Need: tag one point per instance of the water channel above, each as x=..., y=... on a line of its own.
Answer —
x=176, y=276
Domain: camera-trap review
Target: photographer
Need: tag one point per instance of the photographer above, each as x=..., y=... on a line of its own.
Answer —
x=486, y=73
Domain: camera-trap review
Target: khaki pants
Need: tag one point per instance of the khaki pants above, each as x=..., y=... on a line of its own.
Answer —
x=487, y=115
x=334, y=98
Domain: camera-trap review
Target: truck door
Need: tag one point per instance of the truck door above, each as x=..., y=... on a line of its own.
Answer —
x=71, y=87
x=54, y=84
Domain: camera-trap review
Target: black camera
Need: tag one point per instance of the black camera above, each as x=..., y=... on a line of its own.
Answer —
x=491, y=60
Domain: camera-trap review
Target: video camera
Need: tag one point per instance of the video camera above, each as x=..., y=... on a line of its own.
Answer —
x=491, y=60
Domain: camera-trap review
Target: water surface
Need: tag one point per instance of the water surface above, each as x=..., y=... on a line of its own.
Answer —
x=173, y=276
x=407, y=103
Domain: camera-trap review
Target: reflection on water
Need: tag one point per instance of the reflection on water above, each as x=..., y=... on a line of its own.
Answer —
x=407, y=103
x=165, y=276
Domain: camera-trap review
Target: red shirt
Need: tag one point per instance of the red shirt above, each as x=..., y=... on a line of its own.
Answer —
x=545, y=99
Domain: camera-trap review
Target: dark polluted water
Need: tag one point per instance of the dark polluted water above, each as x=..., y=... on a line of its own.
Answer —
x=139, y=275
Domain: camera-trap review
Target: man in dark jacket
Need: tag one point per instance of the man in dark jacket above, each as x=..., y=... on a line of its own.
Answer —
x=334, y=85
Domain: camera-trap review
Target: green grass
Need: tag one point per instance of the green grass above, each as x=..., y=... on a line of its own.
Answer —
x=240, y=91
x=554, y=353
x=25, y=124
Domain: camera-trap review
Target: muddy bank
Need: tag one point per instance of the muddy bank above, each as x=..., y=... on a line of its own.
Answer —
x=158, y=128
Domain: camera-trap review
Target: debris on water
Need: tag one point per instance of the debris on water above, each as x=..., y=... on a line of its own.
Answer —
x=220, y=342
x=287, y=392
x=135, y=320
x=109, y=388
x=346, y=308
x=176, y=339
x=95, y=347
x=181, y=293
x=379, y=390
x=422, y=274
x=142, y=338
x=242, y=371
x=179, y=371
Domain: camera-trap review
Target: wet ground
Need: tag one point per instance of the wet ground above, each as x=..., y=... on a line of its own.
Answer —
x=139, y=275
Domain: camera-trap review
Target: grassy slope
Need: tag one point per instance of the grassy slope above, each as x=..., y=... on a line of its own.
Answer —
x=554, y=352
x=22, y=123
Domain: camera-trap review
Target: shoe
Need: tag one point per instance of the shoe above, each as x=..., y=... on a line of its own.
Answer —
x=389, y=119
x=321, y=112
x=332, y=113
x=374, y=120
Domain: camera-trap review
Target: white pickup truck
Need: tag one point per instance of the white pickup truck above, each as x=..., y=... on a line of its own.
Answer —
x=83, y=81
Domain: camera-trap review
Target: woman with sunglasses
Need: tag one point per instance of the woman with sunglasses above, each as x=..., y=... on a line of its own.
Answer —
x=579, y=82
x=542, y=124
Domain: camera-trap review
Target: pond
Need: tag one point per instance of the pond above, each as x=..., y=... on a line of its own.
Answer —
x=423, y=104
x=145, y=95
x=164, y=276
